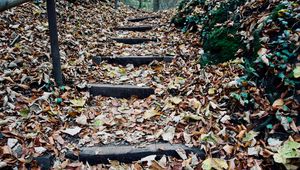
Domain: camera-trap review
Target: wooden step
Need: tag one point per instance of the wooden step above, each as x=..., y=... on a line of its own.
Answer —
x=135, y=60
x=129, y=154
x=133, y=40
x=141, y=28
x=138, y=19
x=120, y=91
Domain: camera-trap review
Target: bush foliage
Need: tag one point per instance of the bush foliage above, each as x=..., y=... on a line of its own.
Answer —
x=266, y=34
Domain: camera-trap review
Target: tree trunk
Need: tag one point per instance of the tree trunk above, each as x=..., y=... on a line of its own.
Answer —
x=155, y=5
x=6, y=4
x=140, y=4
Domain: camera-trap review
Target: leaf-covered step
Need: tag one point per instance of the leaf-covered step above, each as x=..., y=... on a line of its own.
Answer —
x=128, y=154
x=134, y=40
x=135, y=60
x=141, y=28
x=120, y=91
x=138, y=19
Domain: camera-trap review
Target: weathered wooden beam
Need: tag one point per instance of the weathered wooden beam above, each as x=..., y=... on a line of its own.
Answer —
x=135, y=60
x=141, y=28
x=133, y=40
x=120, y=91
x=6, y=4
x=128, y=154
x=138, y=19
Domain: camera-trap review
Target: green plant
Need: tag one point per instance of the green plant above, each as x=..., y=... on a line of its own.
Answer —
x=221, y=45
x=273, y=69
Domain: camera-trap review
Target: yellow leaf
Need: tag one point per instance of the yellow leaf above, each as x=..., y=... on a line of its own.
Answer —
x=175, y=100
x=282, y=11
x=214, y=163
x=182, y=46
x=78, y=102
x=151, y=113
x=211, y=91
x=296, y=72
x=193, y=117
x=278, y=103
x=126, y=53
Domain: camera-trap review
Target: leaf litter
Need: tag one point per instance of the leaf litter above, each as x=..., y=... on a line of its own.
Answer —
x=192, y=105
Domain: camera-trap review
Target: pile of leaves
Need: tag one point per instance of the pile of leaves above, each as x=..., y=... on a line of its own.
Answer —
x=266, y=35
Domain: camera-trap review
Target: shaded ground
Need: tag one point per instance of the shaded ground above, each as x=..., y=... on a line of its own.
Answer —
x=191, y=105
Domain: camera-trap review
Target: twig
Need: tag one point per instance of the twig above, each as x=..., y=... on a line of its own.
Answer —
x=16, y=39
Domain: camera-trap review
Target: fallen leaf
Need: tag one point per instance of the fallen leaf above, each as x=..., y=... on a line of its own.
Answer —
x=78, y=102
x=262, y=51
x=148, y=159
x=181, y=152
x=40, y=149
x=72, y=131
x=151, y=113
x=289, y=150
x=11, y=142
x=296, y=72
x=211, y=91
x=278, y=103
x=214, y=163
x=175, y=100
x=228, y=149
x=82, y=120
x=250, y=136
x=265, y=60
x=168, y=134
x=274, y=142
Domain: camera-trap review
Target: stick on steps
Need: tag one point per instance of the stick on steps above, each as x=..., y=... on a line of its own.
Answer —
x=120, y=91
x=134, y=40
x=135, y=60
x=128, y=154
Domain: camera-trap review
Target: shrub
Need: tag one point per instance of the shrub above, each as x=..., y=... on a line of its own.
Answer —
x=220, y=46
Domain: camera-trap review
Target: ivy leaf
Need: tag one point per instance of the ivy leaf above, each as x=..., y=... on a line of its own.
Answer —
x=290, y=149
x=24, y=112
x=250, y=136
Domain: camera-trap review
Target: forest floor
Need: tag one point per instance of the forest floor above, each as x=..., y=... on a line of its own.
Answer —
x=190, y=106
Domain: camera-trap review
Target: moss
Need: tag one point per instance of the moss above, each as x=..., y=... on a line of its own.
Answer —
x=221, y=46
